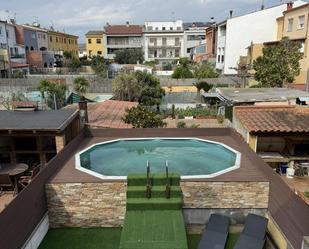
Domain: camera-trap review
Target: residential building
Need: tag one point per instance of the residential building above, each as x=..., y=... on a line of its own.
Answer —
x=35, y=40
x=82, y=51
x=237, y=33
x=294, y=25
x=122, y=37
x=211, y=43
x=194, y=35
x=95, y=43
x=199, y=52
x=59, y=42
x=164, y=41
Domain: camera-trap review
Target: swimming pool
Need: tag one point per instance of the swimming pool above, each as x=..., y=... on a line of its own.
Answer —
x=191, y=157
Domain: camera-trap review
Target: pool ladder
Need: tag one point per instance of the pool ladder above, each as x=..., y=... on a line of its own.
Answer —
x=167, y=184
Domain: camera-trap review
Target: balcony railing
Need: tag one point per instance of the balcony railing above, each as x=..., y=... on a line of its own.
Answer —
x=152, y=45
x=17, y=56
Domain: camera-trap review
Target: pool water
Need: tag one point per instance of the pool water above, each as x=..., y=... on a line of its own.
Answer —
x=186, y=156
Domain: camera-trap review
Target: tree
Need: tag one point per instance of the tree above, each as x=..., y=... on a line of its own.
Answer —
x=68, y=55
x=126, y=87
x=183, y=70
x=99, y=65
x=74, y=64
x=129, y=56
x=279, y=64
x=202, y=85
x=53, y=91
x=142, y=117
x=205, y=70
x=152, y=92
x=81, y=85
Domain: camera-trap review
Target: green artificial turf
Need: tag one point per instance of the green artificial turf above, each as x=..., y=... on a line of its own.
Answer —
x=82, y=238
x=307, y=194
x=153, y=230
x=194, y=239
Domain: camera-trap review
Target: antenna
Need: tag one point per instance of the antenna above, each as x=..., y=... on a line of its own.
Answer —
x=263, y=5
x=173, y=16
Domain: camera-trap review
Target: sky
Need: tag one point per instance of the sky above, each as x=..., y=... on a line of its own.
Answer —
x=79, y=16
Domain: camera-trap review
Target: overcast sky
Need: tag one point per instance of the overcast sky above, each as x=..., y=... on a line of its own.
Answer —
x=79, y=16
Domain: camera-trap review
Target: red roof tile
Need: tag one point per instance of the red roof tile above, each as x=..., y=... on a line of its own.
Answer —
x=124, y=30
x=108, y=114
x=273, y=119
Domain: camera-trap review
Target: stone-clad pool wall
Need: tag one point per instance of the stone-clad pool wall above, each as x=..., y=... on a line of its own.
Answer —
x=103, y=204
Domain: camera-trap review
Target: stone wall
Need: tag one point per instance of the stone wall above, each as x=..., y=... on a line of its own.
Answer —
x=103, y=204
x=86, y=204
x=243, y=195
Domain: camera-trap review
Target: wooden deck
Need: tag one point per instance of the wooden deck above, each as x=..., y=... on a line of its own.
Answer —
x=248, y=170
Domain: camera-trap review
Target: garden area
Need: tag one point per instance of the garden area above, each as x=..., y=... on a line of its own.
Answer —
x=102, y=238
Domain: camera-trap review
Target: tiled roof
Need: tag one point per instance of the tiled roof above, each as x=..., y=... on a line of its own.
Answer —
x=108, y=114
x=124, y=30
x=95, y=32
x=273, y=119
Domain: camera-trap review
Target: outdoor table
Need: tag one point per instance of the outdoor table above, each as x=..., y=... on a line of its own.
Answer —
x=14, y=170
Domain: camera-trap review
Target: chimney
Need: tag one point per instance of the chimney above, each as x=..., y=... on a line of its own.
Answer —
x=127, y=24
x=289, y=5
x=212, y=20
x=231, y=13
x=83, y=110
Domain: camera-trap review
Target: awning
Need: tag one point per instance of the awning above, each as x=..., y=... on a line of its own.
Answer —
x=213, y=95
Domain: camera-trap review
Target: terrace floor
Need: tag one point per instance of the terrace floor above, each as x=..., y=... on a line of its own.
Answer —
x=299, y=185
x=248, y=171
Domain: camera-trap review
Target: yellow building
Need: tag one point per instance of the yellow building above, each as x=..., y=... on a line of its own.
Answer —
x=60, y=42
x=95, y=43
x=294, y=25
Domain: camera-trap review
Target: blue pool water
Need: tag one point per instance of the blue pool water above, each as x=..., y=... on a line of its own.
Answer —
x=185, y=156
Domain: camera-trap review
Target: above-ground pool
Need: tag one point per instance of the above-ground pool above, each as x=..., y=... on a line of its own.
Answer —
x=191, y=157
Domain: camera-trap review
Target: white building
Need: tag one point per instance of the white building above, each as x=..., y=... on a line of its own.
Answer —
x=163, y=41
x=237, y=33
x=193, y=37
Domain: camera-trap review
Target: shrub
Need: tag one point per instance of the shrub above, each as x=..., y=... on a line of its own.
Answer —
x=220, y=119
x=195, y=126
x=181, y=124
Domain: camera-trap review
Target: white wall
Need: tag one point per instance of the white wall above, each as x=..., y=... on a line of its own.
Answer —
x=257, y=27
x=158, y=26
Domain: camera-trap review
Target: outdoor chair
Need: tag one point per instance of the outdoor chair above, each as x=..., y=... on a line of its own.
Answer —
x=6, y=182
x=25, y=180
x=254, y=234
x=216, y=233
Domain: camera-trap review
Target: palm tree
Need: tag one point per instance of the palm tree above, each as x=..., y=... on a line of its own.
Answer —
x=81, y=86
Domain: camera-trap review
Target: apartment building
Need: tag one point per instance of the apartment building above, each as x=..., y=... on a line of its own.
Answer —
x=95, y=43
x=122, y=37
x=59, y=42
x=211, y=43
x=35, y=40
x=164, y=41
x=236, y=34
x=194, y=35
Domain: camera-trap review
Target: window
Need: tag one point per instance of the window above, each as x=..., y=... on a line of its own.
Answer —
x=89, y=41
x=99, y=52
x=56, y=39
x=90, y=52
x=163, y=28
x=177, y=43
x=171, y=28
x=188, y=50
x=290, y=24
x=0, y=30
x=157, y=28
x=301, y=22
x=32, y=36
x=149, y=28
x=98, y=41
x=8, y=33
x=51, y=39
x=65, y=40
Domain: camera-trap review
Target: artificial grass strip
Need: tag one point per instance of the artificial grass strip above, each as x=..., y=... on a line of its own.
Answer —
x=156, y=191
x=82, y=238
x=194, y=239
x=307, y=194
x=153, y=230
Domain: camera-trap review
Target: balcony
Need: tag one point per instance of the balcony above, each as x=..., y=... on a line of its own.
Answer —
x=153, y=45
x=17, y=56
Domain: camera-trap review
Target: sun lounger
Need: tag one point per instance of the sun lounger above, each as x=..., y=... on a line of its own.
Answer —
x=254, y=234
x=216, y=233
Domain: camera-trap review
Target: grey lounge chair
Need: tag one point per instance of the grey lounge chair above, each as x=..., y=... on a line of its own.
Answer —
x=254, y=234
x=216, y=232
